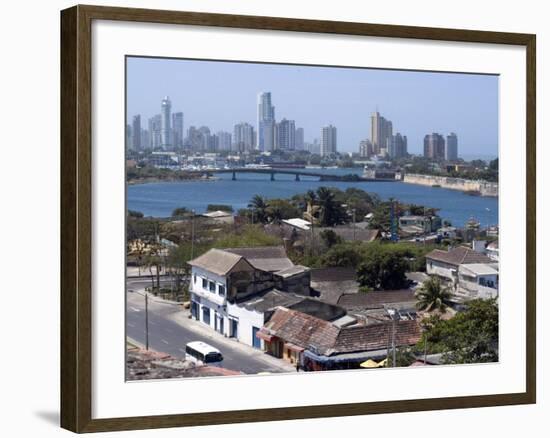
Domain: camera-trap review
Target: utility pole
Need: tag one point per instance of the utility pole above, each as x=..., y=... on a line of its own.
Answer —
x=146, y=321
x=192, y=234
x=393, y=342
x=353, y=212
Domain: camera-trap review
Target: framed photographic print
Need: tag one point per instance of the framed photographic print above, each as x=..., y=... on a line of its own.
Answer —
x=270, y=218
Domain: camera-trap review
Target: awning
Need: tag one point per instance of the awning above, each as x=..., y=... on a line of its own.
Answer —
x=293, y=347
x=265, y=336
x=369, y=363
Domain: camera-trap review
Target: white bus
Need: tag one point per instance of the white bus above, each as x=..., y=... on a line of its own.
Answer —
x=202, y=353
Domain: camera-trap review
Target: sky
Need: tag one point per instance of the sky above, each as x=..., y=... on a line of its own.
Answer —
x=220, y=94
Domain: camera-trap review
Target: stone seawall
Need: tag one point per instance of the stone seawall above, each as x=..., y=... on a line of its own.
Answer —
x=484, y=188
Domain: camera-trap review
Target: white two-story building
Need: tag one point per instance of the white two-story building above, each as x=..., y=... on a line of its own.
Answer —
x=224, y=282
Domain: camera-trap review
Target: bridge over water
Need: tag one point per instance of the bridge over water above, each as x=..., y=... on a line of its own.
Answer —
x=296, y=172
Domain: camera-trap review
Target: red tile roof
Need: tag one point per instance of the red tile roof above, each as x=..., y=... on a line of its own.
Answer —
x=327, y=339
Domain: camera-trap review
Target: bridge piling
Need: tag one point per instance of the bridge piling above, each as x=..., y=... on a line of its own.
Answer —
x=297, y=177
x=234, y=178
x=272, y=176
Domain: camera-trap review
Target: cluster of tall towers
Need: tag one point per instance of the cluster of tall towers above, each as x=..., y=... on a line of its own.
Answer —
x=383, y=142
x=285, y=135
x=436, y=148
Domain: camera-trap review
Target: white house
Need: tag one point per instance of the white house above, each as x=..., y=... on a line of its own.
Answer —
x=477, y=280
x=233, y=289
x=445, y=264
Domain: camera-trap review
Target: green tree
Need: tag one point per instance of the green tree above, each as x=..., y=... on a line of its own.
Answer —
x=181, y=213
x=343, y=255
x=279, y=209
x=330, y=238
x=404, y=357
x=331, y=212
x=433, y=295
x=259, y=206
x=383, y=268
x=135, y=214
x=470, y=336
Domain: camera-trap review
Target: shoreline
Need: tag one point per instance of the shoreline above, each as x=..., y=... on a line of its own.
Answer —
x=470, y=187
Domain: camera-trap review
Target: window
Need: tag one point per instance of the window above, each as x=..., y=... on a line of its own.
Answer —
x=194, y=278
x=206, y=315
x=204, y=283
x=221, y=290
x=212, y=286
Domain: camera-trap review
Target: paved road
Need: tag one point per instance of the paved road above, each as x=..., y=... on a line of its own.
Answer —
x=169, y=337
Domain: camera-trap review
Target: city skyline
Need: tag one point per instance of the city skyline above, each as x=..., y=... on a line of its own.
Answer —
x=444, y=102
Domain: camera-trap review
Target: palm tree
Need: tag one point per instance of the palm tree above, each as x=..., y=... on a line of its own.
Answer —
x=274, y=213
x=433, y=295
x=331, y=213
x=259, y=207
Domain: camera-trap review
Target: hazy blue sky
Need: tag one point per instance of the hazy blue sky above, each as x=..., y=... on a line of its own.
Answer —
x=220, y=94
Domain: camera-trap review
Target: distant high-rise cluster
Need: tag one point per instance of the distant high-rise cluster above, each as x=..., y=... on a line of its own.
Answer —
x=165, y=131
x=436, y=148
x=382, y=142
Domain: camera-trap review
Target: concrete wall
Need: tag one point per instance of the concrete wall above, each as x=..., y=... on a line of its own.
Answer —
x=483, y=187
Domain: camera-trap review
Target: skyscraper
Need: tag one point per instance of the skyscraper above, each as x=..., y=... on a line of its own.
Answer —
x=381, y=132
x=136, y=133
x=266, y=122
x=154, y=131
x=434, y=146
x=166, y=122
x=398, y=146
x=224, y=141
x=299, y=141
x=177, y=128
x=286, y=135
x=451, y=148
x=243, y=137
x=365, y=149
x=328, y=140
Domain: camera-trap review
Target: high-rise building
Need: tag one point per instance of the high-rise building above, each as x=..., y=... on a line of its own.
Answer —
x=145, y=140
x=177, y=129
x=128, y=136
x=136, y=133
x=451, y=148
x=154, y=131
x=299, y=140
x=398, y=146
x=381, y=133
x=243, y=137
x=365, y=149
x=434, y=146
x=166, y=123
x=328, y=140
x=224, y=140
x=266, y=122
x=194, y=140
x=285, y=135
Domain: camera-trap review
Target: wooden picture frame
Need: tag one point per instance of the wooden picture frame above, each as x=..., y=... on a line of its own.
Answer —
x=76, y=217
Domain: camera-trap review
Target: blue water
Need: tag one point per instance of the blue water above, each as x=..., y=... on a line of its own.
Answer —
x=160, y=199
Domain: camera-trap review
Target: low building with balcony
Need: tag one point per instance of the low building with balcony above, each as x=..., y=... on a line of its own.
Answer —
x=477, y=281
x=445, y=264
x=228, y=285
